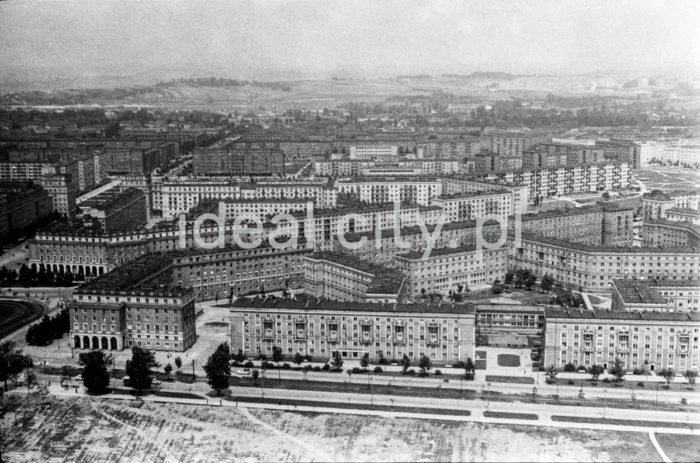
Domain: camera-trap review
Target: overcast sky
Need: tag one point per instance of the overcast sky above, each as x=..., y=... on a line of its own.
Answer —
x=251, y=39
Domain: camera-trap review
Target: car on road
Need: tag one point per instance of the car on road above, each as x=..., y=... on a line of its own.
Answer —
x=155, y=382
x=245, y=372
x=78, y=378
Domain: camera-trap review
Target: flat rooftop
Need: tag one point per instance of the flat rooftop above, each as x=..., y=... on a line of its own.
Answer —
x=254, y=304
x=621, y=315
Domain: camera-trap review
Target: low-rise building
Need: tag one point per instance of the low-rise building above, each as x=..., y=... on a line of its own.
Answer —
x=21, y=205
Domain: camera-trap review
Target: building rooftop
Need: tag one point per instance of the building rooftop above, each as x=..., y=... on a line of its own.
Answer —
x=111, y=197
x=565, y=212
x=551, y=241
x=147, y=275
x=437, y=252
x=632, y=293
x=385, y=280
x=323, y=305
x=622, y=316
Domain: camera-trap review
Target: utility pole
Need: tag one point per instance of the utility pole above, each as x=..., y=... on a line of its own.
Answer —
x=194, y=376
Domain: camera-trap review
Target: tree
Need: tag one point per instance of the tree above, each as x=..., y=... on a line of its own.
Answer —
x=95, y=374
x=509, y=277
x=66, y=373
x=218, y=368
x=547, y=283
x=277, y=356
x=168, y=369
x=138, y=369
x=255, y=374
x=12, y=362
x=690, y=376
x=618, y=369
x=668, y=374
x=424, y=363
x=530, y=281
x=298, y=358
x=337, y=361
x=595, y=371
x=469, y=369
x=364, y=361
x=178, y=363
x=552, y=372
x=405, y=363
x=497, y=288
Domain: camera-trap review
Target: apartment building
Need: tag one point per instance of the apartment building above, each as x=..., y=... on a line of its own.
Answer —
x=605, y=224
x=666, y=233
x=63, y=192
x=383, y=248
x=21, y=204
x=375, y=153
x=448, y=268
x=119, y=209
x=442, y=332
x=458, y=207
x=652, y=340
x=412, y=190
x=130, y=307
x=592, y=268
x=357, y=167
x=657, y=204
x=342, y=277
x=460, y=184
x=563, y=180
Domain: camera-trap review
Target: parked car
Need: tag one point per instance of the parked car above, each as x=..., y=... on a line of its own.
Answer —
x=244, y=372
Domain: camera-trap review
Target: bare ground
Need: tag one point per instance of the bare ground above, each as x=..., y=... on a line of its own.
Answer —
x=92, y=430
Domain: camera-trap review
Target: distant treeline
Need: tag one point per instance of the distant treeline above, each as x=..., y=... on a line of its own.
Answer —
x=223, y=83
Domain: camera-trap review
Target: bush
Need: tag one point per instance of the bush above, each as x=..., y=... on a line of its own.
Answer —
x=606, y=380
x=317, y=368
x=438, y=372
x=640, y=384
x=570, y=382
x=326, y=367
x=410, y=372
x=378, y=370
x=286, y=366
x=460, y=364
x=423, y=374
x=569, y=367
x=267, y=365
x=551, y=381
x=248, y=364
x=469, y=376
x=359, y=371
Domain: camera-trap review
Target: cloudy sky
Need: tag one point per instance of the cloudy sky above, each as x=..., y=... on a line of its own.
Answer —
x=258, y=39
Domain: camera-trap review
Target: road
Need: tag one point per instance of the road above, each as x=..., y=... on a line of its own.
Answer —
x=405, y=406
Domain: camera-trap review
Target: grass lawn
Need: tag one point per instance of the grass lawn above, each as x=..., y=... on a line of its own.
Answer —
x=510, y=379
x=680, y=447
x=514, y=416
x=650, y=424
x=508, y=360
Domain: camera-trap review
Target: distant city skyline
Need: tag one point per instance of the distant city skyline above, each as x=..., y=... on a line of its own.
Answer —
x=282, y=40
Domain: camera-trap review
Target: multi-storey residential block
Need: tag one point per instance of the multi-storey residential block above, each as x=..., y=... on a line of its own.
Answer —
x=448, y=268
x=131, y=307
x=665, y=233
x=605, y=224
x=342, y=277
x=411, y=167
x=383, y=248
x=21, y=204
x=657, y=204
x=63, y=192
x=621, y=150
x=119, y=209
x=239, y=161
x=656, y=295
x=471, y=206
x=375, y=153
x=519, y=193
x=592, y=268
x=509, y=325
x=492, y=162
x=676, y=214
x=418, y=190
x=567, y=179
x=652, y=340
x=442, y=332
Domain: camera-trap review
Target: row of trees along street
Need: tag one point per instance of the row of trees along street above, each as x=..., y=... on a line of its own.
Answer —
x=218, y=366
x=48, y=329
x=619, y=371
